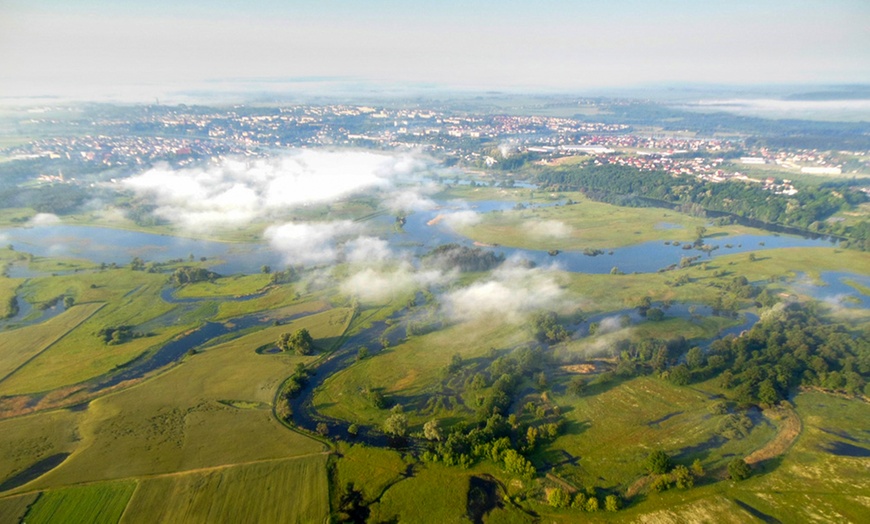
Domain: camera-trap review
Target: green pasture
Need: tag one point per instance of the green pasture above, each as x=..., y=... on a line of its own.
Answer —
x=13, y=509
x=8, y=287
x=615, y=426
x=30, y=439
x=20, y=345
x=229, y=286
x=285, y=490
x=103, y=502
x=213, y=410
x=410, y=370
x=81, y=354
x=372, y=470
x=435, y=493
x=278, y=298
x=588, y=224
x=808, y=483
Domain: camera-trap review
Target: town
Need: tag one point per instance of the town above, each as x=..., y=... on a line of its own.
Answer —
x=121, y=140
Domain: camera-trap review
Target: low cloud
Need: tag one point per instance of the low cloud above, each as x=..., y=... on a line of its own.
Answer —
x=610, y=325
x=460, y=219
x=379, y=285
x=309, y=243
x=512, y=293
x=235, y=192
x=409, y=199
x=548, y=228
x=368, y=250
x=43, y=219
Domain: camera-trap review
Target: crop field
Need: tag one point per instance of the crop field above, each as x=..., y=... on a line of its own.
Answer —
x=103, y=502
x=286, y=490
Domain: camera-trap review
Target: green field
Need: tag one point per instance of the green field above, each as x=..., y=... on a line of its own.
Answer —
x=104, y=502
x=413, y=369
x=587, y=224
x=198, y=440
x=203, y=427
x=230, y=286
x=13, y=509
x=21, y=345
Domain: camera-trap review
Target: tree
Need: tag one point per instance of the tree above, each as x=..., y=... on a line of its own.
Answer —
x=577, y=386
x=432, y=430
x=700, y=231
x=301, y=342
x=517, y=464
x=322, y=429
x=697, y=468
x=658, y=462
x=682, y=478
x=352, y=507
x=353, y=430
x=738, y=469
x=558, y=498
x=695, y=358
x=592, y=504
x=396, y=425
x=655, y=314
x=266, y=269
x=455, y=364
x=362, y=353
x=68, y=302
x=612, y=503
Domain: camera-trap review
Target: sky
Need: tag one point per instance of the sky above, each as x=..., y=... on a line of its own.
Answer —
x=102, y=48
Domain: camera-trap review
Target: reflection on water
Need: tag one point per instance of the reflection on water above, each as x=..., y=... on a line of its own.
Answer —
x=836, y=289
x=119, y=247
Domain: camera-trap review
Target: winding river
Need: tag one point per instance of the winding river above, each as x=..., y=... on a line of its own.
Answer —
x=418, y=236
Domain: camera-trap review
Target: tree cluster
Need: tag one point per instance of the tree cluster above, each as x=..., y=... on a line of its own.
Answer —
x=624, y=185
x=189, y=275
x=300, y=342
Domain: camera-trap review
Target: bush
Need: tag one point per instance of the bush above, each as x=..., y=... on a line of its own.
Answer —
x=738, y=469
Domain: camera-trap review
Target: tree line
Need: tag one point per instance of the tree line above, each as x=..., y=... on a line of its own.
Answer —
x=808, y=210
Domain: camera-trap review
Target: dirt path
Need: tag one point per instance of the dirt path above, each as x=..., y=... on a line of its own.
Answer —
x=789, y=424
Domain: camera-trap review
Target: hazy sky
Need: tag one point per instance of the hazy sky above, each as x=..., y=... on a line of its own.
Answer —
x=98, y=47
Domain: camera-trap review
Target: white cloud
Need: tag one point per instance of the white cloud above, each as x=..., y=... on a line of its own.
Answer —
x=309, y=243
x=410, y=199
x=461, y=219
x=548, y=228
x=43, y=219
x=375, y=285
x=234, y=193
x=368, y=250
x=511, y=293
